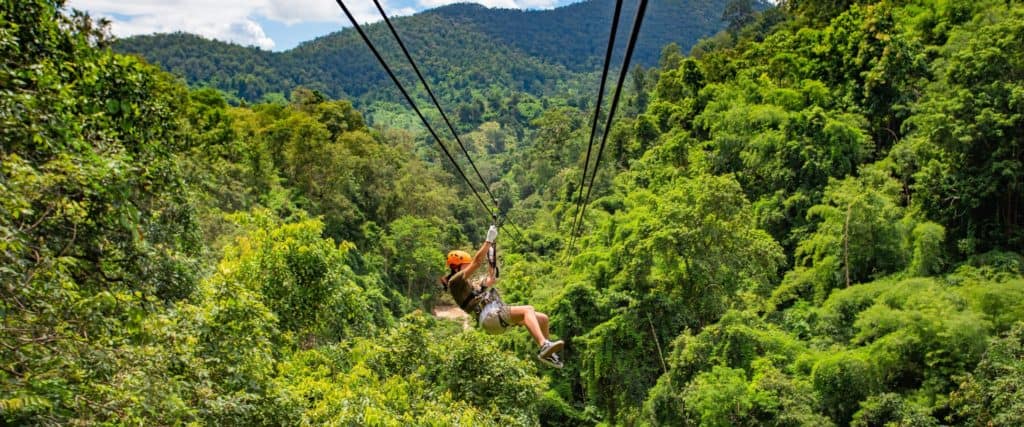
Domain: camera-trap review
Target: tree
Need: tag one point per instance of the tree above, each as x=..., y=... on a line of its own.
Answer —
x=671, y=56
x=992, y=393
x=412, y=247
x=843, y=380
x=719, y=398
x=738, y=14
x=98, y=228
x=305, y=281
x=963, y=158
x=656, y=255
x=818, y=12
x=891, y=408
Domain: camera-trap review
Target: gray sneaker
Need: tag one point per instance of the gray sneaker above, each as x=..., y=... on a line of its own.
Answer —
x=549, y=348
x=551, y=360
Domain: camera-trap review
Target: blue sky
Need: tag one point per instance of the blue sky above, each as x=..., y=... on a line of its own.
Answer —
x=268, y=24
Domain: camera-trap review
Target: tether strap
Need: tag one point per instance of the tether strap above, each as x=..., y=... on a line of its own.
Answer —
x=464, y=305
x=492, y=258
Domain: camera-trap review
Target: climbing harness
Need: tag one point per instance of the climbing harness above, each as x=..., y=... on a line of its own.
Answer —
x=480, y=297
x=492, y=314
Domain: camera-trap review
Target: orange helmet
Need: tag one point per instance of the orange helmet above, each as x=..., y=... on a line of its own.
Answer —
x=457, y=258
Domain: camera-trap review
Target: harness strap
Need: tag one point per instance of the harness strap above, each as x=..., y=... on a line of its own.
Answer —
x=479, y=299
x=464, y=304
x=503, y=323
x=472, y=301
x=492, y=259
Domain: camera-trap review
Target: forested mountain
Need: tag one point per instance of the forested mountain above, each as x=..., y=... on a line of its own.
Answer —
x=814, y=218
x=574, y=36
x=463, y=48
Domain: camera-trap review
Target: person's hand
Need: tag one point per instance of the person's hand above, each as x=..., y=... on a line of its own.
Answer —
x=492, y=234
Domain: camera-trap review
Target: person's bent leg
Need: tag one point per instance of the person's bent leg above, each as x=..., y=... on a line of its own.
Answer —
x=527, y=316
x=542, y=320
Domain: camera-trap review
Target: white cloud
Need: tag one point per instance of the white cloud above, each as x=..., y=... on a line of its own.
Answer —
x=229, y=20
x=364, y=10
x=537, y=4
x=296, y=11
x=405, y=11
x=250, y=31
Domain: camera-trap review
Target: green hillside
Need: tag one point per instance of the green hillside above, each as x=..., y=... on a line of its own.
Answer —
x=463, y=48
x=574, y=36
x=813, y=218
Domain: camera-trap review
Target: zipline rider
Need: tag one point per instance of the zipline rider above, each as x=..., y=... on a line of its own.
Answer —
x=484, y=302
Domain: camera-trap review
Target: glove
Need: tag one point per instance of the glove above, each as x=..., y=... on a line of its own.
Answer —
x=492, y=234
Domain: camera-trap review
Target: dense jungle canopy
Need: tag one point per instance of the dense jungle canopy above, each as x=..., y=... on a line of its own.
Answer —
x=812, y=217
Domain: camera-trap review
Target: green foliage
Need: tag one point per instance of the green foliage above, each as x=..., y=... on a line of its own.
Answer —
x=818, y=11
x=918, y=334
x=991, y=393
x=992, y=288
x=95, y=232
x=738, y=347
x=656, y=253
x=661, y=241
x=306, y=281
x=464, y=365
x=411, y=248
x=235, y=335
x=889, y=409
x=325, y=161
x=738, y=14
x=738, y=340
x=843, y=380
x=725, y=397
x=415, y=374
x=879, y=352
x=329, y=394
x=719, y=398
x=859, y=234
x=926, y=337
x=782, y=145
x=558, y=139
x=963, y=154
x=812, y=220
x=784, y=399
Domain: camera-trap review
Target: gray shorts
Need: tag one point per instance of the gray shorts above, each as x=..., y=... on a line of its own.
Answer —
x=494, y=318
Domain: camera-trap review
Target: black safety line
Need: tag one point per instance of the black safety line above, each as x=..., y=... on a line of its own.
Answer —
x=433, y=98
x=597, y=113
x=637, y=22
x=444, y=116
x=401, y=44
x=413, y=104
